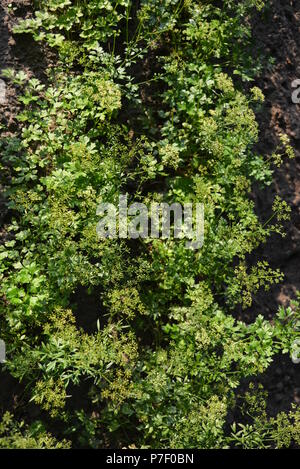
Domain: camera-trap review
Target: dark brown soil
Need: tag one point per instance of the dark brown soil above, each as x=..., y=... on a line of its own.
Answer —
x=278, y=37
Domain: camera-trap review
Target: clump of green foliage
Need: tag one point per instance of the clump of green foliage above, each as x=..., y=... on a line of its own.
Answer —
x=16, y=435
x=166, y=355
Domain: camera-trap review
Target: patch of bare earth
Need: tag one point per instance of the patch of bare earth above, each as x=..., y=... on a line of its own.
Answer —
x=277, y=36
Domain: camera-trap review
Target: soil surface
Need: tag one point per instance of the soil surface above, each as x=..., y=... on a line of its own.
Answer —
x=279, y=36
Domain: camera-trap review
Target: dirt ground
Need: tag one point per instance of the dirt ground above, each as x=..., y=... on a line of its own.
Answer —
x=278, y=36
